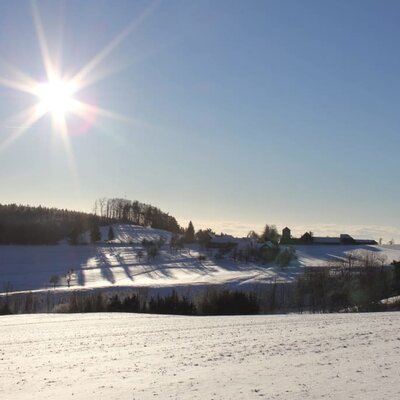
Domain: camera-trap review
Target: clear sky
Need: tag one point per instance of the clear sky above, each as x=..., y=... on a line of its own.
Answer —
x=230, y=113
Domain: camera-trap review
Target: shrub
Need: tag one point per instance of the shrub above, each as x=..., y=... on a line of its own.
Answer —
x=152, y=252
x=5, y=309
x=228, y=302
x=131, y=304
x=147, y=243
x=284, y=258
x=171, y=304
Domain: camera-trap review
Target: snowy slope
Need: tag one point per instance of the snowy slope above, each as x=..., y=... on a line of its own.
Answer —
x=30, y=267
x=117, y=264
x=319, y=255
x=127, y=356
x=135, y=234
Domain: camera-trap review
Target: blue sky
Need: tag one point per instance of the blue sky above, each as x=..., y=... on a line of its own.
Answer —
x=235, y=113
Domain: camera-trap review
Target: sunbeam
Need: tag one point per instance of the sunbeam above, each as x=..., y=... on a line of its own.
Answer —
x=60, y=125
x=21, y=86
x=23, y=120
x=82, y=108
x=42, y=41
x=81, y=77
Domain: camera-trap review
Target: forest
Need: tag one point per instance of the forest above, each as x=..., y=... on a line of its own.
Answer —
x=29, y=225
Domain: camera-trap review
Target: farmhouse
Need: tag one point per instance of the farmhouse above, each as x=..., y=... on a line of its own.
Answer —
x=309, y=238
x=228, y=242
x=222, y=241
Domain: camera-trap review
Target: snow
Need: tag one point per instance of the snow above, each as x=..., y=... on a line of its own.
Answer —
x=391, y=300
x=319, y=255
x=134, y=233
x=30, y=267
x=115, y=264
x=128, y=356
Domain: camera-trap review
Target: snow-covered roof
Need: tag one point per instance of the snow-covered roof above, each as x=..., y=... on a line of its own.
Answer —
x=223, y=239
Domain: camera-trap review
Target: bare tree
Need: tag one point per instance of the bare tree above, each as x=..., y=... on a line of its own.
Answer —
x=68, y=276
x=54, y=280
x=139, y=255
x=95, y=208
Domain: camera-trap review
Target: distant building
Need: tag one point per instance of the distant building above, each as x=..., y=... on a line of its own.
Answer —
x=309, y=238
x=222, y=241
x=286, y=235
x=346, y=239
x=326, y=240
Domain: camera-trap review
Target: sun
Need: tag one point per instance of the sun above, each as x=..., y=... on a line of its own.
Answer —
x=56, y=97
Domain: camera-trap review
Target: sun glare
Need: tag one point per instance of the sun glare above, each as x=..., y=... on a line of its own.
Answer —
x=56, y=97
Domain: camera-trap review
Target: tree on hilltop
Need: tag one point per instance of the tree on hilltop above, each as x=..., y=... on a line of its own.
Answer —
x=189, y=234
x=204, y=236
x=270, y=234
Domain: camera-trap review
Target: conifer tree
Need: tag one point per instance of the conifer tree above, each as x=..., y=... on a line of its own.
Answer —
x=74, y=234
x=95, y=234
x=111, y=235
x=189, y=234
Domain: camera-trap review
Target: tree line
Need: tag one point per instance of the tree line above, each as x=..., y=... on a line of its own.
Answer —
x=357, y=282
x=29, y=225
x=210, y=302
x=135, y=212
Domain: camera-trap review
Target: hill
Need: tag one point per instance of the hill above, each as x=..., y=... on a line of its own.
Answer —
x=122, y=263
x=27, y=225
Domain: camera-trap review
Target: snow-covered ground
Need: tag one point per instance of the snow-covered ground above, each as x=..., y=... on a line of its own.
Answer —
x=117, y=264
x=127, y=356
x=318, y=255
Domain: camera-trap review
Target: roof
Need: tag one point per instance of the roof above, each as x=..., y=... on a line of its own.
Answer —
x=223, y=239
x=326, y=240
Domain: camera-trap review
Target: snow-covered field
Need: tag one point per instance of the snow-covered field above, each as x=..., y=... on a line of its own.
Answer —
x=318, y=255
x=117, y=264
x=127, y=356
